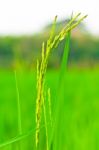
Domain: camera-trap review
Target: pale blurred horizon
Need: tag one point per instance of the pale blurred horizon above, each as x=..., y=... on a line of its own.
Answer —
x=27, y=16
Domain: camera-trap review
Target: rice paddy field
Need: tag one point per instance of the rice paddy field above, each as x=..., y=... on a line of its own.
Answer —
x=78, y=118
x=46, y=108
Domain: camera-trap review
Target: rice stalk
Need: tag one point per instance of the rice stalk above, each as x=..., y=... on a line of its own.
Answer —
x=52, y=42
x=40, y=81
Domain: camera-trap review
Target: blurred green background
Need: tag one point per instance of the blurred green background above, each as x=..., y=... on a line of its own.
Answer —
x=20, y=53
x=25, y=50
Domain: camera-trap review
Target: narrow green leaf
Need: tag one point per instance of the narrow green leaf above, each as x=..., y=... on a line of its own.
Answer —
x=18, y=105
x=19, y=110
x=21, y=137
x=60, y=95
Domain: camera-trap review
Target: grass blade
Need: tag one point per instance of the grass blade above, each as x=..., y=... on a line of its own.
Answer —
x=19, y=106
x=60, y=94
x=19, y=111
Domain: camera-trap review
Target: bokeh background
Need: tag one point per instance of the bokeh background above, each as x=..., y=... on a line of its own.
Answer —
x=24, y=25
